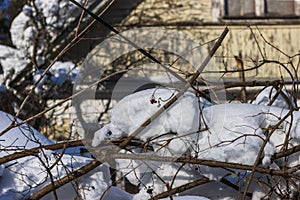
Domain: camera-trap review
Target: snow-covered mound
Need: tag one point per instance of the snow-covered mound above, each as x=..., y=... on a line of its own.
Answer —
x=237, y=132
x=234, y=130
x=28, y=175
x=22, y=177
x=145, y=196
x=13, y=61
x=265, y=97
x=19, y=138
x=133, y=110
x=226, y=132
x=32, y=30
x=63, y=71
x=58, y=74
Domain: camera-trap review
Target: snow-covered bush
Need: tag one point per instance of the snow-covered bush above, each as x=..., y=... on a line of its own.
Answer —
x=268, y=96
x=194, y=148
x=22, y=177
x=33, y=32
x=234, y=133
x=39, y=24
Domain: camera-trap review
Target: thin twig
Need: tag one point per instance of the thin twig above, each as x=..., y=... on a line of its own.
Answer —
x=209, y=163
x=181, y=188
x=80, y=18
x=63, y=51
x=64, y=180
x=258, y=158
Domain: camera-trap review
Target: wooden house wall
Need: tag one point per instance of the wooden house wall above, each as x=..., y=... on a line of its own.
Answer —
x=196, y=18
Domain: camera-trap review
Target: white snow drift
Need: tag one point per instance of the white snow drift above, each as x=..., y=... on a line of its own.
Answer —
x=235, y=133
x=22, y=177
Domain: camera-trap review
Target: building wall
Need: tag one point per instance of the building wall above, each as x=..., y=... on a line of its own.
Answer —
x=269, y=42
x=198, y=21
x=169, y=12
x=203, y=22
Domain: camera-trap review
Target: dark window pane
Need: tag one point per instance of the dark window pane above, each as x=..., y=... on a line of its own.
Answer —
x=280, y=8
x=239, y=7
x=248, y=8
x=234, y=7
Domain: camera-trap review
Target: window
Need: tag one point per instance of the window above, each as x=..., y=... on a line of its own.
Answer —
x=236, y=8
x=260, y=8
x=279, y=8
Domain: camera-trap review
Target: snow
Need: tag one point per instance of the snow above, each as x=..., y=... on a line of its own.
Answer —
x=4, y=4
x=267, y=94
x=25, y=35
x=12, y=61
x=2, y=89
x=236, y=136
x=58, y=74
x=63, y=71
x=39, y=85
x=26, y=175
x=57, y=14
x=17, y=30
x=232, y=134
x=187, y=198
x=22, y=137
x=236, y=133
x=143, y=195
x=134, y=109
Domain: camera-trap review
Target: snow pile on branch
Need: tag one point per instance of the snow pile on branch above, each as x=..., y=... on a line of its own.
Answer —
x=40, y=23
x=24, y=176
x=63, y=71
x=136, y=108
x=33, y=32
x=12, y=61
x=227, y=132
x=236, y=130
x=230, y=135
x=19, y=138
x=59, y=73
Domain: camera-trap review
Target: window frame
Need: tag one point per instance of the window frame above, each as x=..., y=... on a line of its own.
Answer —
x=220, y=12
